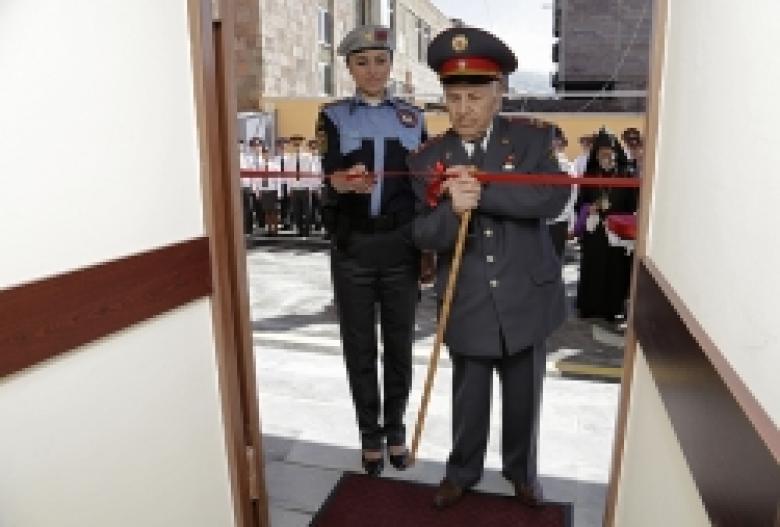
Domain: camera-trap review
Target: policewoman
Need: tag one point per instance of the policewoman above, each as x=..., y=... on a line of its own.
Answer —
x=369, y=207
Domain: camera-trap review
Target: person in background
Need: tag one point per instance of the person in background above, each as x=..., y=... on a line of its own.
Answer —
x=257, y=161
x=604, y=270
x=269, y=193
x=581, y=161
x=635, y=150
x=316, y=186
x=374, y=263
x=247, y=191
x=300, y=196
x=561, y=226
x=286, y=165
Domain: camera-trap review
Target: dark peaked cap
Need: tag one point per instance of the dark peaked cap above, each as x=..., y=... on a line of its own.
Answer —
x=468, y=53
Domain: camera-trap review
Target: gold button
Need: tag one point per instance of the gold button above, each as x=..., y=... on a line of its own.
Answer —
x=490, y=258
x=494, y=283
x=488, y=233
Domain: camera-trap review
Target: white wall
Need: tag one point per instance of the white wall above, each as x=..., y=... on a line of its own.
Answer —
x=715, y=217
x=122, y=432
x=656, y=484
x=99, y=159
x=98, y=150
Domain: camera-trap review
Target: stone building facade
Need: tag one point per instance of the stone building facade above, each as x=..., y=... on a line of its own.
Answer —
x=602, y=44
x=287, y=48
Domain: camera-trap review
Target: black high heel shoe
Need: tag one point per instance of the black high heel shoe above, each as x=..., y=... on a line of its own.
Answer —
x=399, y=461
x=373, y=467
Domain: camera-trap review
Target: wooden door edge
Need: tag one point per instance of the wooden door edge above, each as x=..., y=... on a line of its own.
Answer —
x=648, y=174
x=212, y=61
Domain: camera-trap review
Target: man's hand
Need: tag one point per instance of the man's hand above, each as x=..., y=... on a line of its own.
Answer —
x=356, y=179
x=464, y=189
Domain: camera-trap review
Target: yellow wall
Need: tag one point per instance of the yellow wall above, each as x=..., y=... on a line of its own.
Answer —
x=298, y=116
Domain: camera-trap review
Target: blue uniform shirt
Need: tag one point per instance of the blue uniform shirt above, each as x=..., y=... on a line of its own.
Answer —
x=379, y=136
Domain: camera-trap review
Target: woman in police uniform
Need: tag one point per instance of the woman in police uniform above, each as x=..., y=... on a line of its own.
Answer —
x=374, y=264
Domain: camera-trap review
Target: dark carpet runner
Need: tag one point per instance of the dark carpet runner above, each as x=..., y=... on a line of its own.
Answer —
x=362, y=501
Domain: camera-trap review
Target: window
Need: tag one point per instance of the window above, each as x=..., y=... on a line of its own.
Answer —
x=324, y=26
x=326, y=78
x=391, y=13
x=325, y=48
x=363, y=12
x=423, y=39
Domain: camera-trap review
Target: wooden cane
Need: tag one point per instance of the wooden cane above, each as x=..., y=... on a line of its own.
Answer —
x=433, y=362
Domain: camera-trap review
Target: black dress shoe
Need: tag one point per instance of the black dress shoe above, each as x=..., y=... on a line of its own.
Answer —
x=529, y=495
x=447, y=495
x=373, y=467
x=399, y=461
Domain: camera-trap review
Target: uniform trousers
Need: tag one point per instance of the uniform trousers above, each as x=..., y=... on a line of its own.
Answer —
x=300, y=200
x=375, y=276
x=521, y=376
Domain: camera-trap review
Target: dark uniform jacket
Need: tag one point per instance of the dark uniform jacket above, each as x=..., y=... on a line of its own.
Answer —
x=510, y=278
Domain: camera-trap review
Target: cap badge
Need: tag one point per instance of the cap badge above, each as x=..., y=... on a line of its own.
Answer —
x=460, y=43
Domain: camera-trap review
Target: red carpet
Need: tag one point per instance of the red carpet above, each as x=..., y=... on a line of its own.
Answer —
x=362, y=501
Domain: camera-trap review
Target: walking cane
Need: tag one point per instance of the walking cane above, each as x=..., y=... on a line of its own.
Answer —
x=433, y=363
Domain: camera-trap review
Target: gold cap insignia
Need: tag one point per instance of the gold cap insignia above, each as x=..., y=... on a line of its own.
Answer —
x=460, y=43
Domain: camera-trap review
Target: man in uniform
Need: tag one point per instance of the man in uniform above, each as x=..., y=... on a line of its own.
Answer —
x=509, y=295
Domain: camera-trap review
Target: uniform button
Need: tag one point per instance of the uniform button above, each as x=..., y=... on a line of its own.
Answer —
x=488, y=233
x=494, y=283
x=490, y=258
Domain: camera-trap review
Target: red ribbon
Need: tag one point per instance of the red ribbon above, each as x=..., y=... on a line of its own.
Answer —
x=619, y=181
x=434, y=190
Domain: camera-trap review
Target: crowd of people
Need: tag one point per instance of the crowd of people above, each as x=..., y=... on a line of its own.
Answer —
x=278, y=200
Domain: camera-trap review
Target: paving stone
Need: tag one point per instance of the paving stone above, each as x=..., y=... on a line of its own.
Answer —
x=298, y=488
x=287, y=518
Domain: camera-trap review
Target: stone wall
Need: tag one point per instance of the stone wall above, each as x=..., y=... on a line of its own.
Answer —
x=278, y=53
x=248, y=54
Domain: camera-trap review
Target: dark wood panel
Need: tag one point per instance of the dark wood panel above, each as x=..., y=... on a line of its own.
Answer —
x=735, y=471
x=42, y=319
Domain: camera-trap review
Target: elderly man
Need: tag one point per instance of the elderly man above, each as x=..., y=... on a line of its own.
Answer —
x=509, y=295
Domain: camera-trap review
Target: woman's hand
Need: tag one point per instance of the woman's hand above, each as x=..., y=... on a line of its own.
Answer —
x=355, y=179
x=464, y=189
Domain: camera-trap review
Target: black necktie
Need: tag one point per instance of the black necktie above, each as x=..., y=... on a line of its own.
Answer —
x=478, y=154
